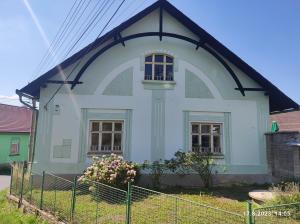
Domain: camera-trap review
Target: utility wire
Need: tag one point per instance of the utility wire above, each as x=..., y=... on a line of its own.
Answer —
x=58, y=35
x=76, y=21
x=96, y=10
x=88, y=27
x=85, y=52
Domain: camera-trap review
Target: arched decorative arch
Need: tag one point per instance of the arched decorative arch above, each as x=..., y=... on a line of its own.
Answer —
x=164, y=34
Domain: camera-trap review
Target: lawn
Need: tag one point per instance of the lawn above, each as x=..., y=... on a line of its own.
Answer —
x=10, y=214
x=109, y=206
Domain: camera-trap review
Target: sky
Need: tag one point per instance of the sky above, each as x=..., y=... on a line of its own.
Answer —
x=265, y=34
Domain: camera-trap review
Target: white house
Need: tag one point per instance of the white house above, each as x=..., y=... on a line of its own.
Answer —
x=156, y=84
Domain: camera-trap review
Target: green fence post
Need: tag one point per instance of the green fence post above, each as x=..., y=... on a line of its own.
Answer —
x=11, y=178
x=31, y=183
x=249, y=213
x=22, y=185
x=128, y=205
x=42, y=190
x=73, y=198
x=176, y=210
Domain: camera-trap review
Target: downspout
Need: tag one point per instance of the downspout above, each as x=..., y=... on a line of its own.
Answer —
x=33, y=128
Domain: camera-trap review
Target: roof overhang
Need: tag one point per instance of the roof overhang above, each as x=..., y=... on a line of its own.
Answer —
x=278, y=101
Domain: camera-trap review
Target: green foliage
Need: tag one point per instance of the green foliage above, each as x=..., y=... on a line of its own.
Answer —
x=9, y=214
x=157, y=169
x=185, y=162
x=285, y=193
x=112, y=170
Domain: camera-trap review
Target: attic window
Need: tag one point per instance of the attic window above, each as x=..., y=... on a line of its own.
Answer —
x=159, y=67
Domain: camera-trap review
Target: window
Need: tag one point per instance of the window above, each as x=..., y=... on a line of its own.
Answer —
x=106, y=136
x=15, y=146
x=206, y=137
x=159, y=67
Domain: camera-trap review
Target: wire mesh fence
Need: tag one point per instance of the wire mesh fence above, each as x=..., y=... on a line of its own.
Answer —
x=92, y=203
x=163, y=208
x=106, y=204
x=280, y=214
x=57, y=196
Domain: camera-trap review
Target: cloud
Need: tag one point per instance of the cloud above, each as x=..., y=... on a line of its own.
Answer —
x=11, y=100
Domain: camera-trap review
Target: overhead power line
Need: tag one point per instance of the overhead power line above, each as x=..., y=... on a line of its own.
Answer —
x=87, y=50
x=58, y=35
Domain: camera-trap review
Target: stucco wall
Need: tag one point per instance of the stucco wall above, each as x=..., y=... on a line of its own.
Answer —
x=5, y=143
x=156, y=117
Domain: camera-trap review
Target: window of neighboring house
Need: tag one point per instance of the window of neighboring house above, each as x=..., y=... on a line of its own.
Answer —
x=159, y=67
x=206, y=137
x=15, y=146
x=106, y=136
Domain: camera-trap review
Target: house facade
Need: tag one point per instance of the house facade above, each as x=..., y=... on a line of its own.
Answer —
x=155, y=84
x=15, y=124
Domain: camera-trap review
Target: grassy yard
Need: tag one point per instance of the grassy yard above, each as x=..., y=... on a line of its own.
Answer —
x=150, y=207
x=10, y=214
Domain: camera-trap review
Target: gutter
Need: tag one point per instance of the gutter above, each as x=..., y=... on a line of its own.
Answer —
x=32, y=140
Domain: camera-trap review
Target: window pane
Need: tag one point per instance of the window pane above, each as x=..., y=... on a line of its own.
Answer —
x=159, y=58
x=217, y=144
x=118, y=126
x=94, y=141
x=195, y=128
x=169, y=59
x=195, y=143
x=159, y=71
x=117, y=141
x=205, y=129
x=205, y=143
x=14, y=148
x=95, y=126
x=216, y=129
x=148, y=58
x=106, y=142
x=148, y=71
x=169, y=72
x=106, y=126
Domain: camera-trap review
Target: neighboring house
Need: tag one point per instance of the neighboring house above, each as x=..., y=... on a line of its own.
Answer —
x=15, y=124
x=288, y=121
x=155, y=84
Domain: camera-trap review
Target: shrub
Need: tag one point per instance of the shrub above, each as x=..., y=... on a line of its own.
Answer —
x=157, y=169
x=111, y=170
x=185, y=162
x=285, y=193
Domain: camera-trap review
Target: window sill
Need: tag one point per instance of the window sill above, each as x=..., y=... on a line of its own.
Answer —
x=97, y=153
x=158, y=84
x=17, y=154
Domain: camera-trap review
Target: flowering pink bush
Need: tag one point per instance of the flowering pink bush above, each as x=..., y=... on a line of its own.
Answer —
x=112, y=170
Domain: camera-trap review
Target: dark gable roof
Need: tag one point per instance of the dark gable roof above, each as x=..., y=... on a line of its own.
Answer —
x=278, y=100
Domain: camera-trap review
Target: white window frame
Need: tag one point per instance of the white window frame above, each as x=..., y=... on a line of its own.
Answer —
x=221, y=124
x=164, y=64
x=100, y=121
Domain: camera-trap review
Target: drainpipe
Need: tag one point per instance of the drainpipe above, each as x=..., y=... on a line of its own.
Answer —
x=32, y=137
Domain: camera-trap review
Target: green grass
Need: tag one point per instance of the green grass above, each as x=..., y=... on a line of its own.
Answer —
x=10, y=214
x=151, y=207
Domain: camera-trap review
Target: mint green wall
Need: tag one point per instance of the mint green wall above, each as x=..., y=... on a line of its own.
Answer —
x=121, y=85
x=195, y=87
x=5, y=142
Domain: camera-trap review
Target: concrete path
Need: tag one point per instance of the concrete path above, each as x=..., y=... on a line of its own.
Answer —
x=4, y=182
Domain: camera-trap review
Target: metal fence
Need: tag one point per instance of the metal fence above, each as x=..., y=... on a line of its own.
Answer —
x=92, y=202
x=280, y=214
x=164, y=208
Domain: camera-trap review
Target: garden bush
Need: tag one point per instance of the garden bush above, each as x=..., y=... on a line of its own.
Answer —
x=187, y=162
x=285, y=193
x=112, y=170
